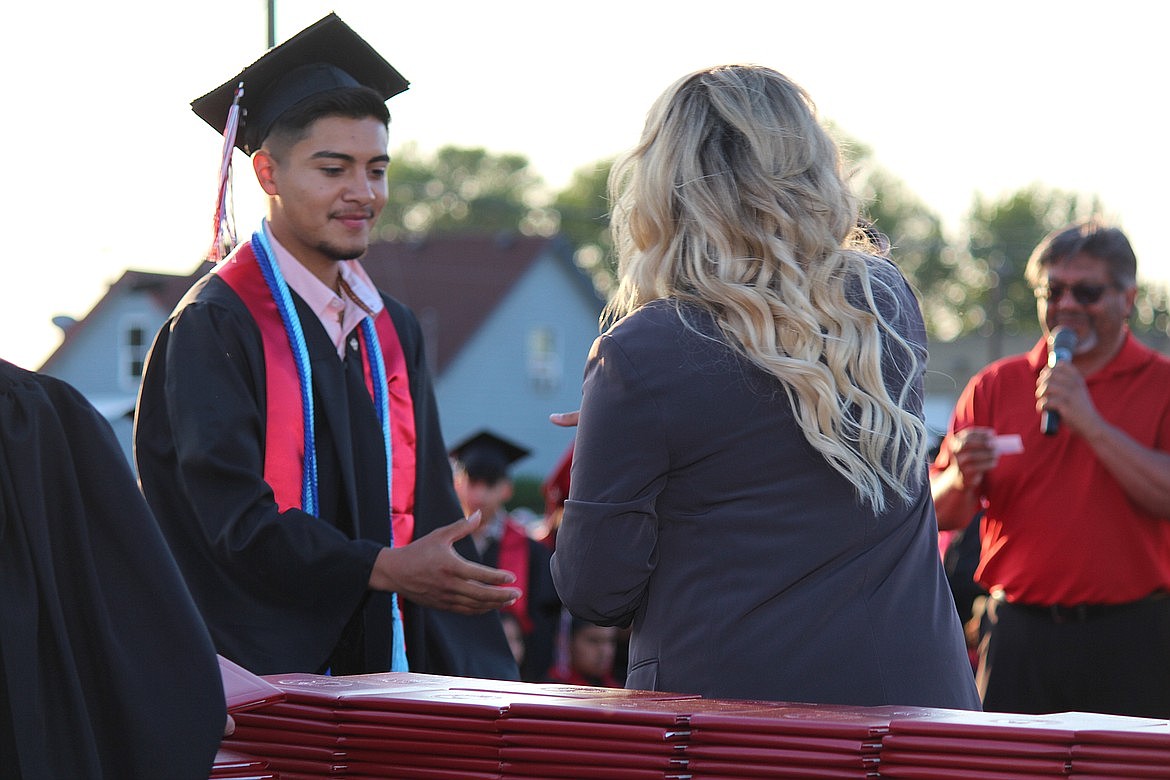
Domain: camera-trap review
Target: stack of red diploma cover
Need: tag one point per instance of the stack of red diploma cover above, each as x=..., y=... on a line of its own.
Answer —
x=777, y=739
x=231, y=765
x=1131, y=753
x=243, y=691
x=405, y=725
x=1003, y=746
x=623, y=734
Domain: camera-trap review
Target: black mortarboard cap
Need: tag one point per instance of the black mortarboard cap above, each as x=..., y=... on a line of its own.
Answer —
x=326, y=55
x=485, y=457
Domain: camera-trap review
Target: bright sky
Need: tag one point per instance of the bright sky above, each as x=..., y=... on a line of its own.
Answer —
x=108, y=169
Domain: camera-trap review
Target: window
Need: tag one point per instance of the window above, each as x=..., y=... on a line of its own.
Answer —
x=134, y=348
x=544, y=359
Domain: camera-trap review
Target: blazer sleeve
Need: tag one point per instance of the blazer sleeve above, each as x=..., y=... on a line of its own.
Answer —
x=607, y=545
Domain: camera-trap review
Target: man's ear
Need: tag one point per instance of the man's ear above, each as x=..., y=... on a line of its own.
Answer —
x=1130, y=299
x=264, y=164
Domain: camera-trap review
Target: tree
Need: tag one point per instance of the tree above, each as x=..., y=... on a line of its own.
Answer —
x=976, y=286
x=918, y=245
x=1001, y=235
x=916, y=233
x=1151, y=316
x=463, y=190
x=583, y=212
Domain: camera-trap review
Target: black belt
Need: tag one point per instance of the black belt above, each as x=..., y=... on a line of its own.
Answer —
x=1078, y=613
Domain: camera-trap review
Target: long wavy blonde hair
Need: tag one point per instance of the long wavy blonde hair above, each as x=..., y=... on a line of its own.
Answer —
x=734, y=201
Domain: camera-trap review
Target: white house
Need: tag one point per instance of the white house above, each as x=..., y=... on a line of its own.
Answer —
x=508, y=321
x=103, y=354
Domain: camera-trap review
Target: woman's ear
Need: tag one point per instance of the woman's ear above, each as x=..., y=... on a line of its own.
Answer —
x=264, y=165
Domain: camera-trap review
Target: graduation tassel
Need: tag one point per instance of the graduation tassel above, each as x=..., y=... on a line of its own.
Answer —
x=224, y=235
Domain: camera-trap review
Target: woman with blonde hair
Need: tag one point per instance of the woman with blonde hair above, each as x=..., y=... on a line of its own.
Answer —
x=749, y=478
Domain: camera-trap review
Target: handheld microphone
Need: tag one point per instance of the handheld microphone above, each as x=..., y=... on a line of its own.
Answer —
x=1061, y=344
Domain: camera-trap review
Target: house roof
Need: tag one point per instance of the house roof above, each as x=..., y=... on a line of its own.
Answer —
x=165, y=289
x=453, y=281
x=459, y=280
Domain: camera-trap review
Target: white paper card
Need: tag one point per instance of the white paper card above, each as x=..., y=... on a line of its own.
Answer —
x=1008, y=444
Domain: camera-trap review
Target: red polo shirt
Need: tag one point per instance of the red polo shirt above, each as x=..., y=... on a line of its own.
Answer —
x=1058, y=528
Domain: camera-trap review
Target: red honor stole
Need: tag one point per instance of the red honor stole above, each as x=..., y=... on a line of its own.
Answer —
x=284, y=429
x=514, y=555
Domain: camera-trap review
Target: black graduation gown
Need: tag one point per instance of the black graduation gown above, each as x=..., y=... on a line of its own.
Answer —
x=544, y=609
x=106, y=670
x=278, y=589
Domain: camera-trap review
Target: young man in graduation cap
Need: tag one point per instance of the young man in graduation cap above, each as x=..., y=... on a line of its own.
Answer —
x=482, y=480
x=287, y=436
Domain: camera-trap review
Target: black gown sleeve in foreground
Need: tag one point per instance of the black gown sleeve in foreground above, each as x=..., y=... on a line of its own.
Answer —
x=106, y=670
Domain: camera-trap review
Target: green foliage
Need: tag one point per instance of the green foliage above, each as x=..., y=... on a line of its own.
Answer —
x=1151, y=313
x=1001, y=235
x=915, y=232
x=972, y=286
x=526, y=493
x=583, y=208
x=462, y=190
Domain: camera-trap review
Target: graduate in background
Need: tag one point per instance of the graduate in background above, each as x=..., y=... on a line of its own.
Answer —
x=588, y=654
x=106, y=670
x=287, y=435
x=483, y=483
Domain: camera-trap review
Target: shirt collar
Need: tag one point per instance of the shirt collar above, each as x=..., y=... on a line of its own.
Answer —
x=493, y=527
x=1132, y=356
x=320, y=298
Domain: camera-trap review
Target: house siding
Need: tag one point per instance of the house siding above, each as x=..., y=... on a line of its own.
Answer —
x=96, y=359
x=489, y=384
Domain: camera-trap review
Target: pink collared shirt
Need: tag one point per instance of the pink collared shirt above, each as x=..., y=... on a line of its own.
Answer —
x=338, y=314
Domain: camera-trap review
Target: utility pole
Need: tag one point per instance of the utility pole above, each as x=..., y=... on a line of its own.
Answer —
x=271, y=23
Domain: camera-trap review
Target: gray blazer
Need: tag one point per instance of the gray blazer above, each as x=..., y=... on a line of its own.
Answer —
x=748, y=569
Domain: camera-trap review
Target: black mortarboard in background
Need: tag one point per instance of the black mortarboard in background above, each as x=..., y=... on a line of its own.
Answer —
x=326, y=55
x=485, y=457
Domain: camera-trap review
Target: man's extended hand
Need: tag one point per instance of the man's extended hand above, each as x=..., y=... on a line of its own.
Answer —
x=429, y=572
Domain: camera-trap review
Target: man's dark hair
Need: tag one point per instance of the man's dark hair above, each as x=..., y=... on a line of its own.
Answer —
x=1107, y=244
x=351, y=102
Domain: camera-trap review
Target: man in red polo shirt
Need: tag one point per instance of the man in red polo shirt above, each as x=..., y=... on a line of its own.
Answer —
x=1076, y=531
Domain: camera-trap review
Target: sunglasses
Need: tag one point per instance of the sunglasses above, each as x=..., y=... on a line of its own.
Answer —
x=1084, y=294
